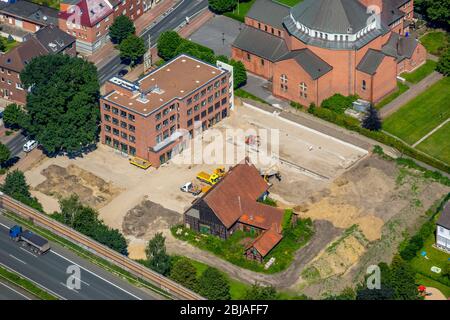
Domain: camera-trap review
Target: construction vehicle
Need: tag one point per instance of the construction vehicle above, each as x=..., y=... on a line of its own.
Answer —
x=220, y=171
x=36, y=243
x=189, y=187
x=141, y=163
x=210, y=179
x=270, y=172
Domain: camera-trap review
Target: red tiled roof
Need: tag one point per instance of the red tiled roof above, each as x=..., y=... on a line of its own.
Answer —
x=231, y=195
x=261, y=215
x=266, y=241
x=87, y=13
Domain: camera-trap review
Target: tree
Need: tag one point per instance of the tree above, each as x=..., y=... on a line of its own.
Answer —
x=257, y=292
x=443, y=65
x=184, y=273
x=16, y=187
x=221, y=6
x=121, y=29
x=372, y=121
x=84, y=219
x=62, y=106
x=158, y=259
x=5, y=153
x=239, y=73
x=2, y=45
x=132, y=49
x=437, y=12
x=168, y=43
x=213, y=285
x=13, y=116
x=401, y=278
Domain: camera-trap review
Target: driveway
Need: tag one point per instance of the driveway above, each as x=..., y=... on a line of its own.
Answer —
x=261, y=88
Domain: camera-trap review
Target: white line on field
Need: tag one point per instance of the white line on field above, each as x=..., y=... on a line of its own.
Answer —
x=431, y=132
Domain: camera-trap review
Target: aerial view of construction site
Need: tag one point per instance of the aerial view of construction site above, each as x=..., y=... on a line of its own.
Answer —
x=224, y=150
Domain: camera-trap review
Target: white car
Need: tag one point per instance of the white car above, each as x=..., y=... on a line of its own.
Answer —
x=30, y=145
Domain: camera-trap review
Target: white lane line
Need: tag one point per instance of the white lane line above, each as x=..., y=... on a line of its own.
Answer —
x=20, y=294
x=28, y=252
x=1, y=224
x=37, y=284
x=65, y=286
x=17, y=259
x=109, y=282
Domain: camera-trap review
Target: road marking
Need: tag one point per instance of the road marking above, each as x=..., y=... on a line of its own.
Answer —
x=65, y=285
x=17, y=259
x=28, y=252
x=1, y=224
x=37, y=284
x=109, y=282
x=20, y=294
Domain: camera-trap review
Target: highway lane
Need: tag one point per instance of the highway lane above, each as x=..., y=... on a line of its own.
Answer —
x=186, y=8
x=50, y=271
x=10, y=292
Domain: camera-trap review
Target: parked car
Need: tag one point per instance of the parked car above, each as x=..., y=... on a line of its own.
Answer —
x=30, y=145
x=122, y=72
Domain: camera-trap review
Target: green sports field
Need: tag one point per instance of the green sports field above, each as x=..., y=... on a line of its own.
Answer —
x=438, y=144
x=422, y=114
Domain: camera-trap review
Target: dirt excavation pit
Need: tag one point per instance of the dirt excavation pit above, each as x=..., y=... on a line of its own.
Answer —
x=147, y=218
x=62, y=182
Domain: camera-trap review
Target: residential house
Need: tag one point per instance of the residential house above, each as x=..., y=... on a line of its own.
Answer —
x=443, y=229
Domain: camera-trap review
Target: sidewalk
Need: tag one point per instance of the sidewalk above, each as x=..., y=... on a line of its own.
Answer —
x=413, y=92
x=188, y=29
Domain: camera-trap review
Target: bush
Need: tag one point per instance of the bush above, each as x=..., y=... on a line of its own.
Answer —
x=183, y=272
x=338, y=103
x=213, y=285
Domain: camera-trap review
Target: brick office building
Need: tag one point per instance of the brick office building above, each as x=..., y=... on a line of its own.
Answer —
x=48, y=40
x=143, y=118
x=322, y=47
x=89, y=20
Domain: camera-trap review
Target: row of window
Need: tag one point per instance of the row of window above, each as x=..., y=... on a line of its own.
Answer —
x=117, y=122
x=9, y=82
x=165, y=112
x=216, y=85
x=197, y=107
x=116, y=111
x=120, y=146
x=266, y=29
x=166, y=134
x=118, y=133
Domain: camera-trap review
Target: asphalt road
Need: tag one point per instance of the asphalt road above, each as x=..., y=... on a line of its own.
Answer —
x=10, y=292
x=16, y=144
x=50, y=271
x=186, y=8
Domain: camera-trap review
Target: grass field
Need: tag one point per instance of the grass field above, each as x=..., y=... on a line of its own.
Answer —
x=240, y=13
x=49, y=3
x=422, y=114
x=421, y=72
x=438, y=144
x=289, y=3
x=401, y=88
x=435, y=42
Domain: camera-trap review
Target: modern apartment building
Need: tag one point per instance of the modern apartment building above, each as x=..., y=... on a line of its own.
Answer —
x=144, y=118
x=89, y=20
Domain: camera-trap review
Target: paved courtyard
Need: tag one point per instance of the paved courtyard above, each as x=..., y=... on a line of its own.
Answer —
x=218, y=34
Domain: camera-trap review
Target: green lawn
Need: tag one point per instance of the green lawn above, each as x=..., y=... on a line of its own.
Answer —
x=438, y=144
x=290, y=3
x=427, y=282
x=8, y=44
x=49, y=3
x=422, y=114
x=435, y=42
x=240, y=12
x=421, y=72
x=401, y=88
x=436, y=258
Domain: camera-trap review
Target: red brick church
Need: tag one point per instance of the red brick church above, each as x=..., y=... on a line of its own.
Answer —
x=321, y=47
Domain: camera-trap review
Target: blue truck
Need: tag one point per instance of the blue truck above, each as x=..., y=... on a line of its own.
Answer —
x=29, y=239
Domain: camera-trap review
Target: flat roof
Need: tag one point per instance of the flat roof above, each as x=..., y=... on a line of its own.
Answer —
x=175, y=80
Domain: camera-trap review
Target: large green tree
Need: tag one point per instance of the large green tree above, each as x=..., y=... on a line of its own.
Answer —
x=184, y=273
x=14, y=116
x=221, y=6
x=239, y=73
x=5, y=153
x=435, y=11
x=62, y=106
x=158, y=259
x=443, y=65
x=132, y=49
x=85, y=219
x=168, y=43
x=121, y=29
x=16, y=187
x=213, y=285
